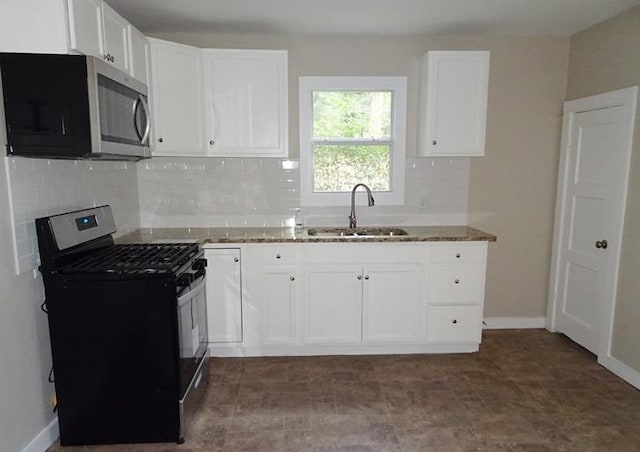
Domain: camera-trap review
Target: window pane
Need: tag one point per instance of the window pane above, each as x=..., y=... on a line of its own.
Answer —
x=351, y=114
x=338, y=168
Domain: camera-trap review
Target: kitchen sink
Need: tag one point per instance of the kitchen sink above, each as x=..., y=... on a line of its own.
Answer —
x=355, y=232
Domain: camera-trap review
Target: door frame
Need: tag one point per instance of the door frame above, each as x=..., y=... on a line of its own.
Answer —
x=626, y=98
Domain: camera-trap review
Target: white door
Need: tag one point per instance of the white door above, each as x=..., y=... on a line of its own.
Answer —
x=596, y=149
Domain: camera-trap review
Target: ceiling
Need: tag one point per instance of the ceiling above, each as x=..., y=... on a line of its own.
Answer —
x=371, y=17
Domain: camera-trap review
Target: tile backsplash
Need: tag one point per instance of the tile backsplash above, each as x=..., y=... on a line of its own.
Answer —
x=212, y=192
x=40, y=187
x=263, y=192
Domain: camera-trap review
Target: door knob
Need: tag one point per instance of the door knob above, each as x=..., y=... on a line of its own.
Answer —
x=602, y=244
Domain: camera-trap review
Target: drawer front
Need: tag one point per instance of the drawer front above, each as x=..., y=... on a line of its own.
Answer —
x=456, y=284
x=279, y=254
x=459, y=252
x=364, y=253
x=454, y=324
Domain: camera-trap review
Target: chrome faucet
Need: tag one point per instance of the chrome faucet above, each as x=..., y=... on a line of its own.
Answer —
x=352, y=216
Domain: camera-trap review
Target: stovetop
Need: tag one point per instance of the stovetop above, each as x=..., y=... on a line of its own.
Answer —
x=134, y=259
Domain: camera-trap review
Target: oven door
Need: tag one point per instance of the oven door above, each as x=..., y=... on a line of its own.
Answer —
x=192, y=330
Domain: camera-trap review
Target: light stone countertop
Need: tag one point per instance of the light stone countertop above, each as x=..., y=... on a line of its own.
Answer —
x=291, y=235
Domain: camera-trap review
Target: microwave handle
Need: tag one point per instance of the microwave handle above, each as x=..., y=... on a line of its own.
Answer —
x=147, y=128
x=136, y=105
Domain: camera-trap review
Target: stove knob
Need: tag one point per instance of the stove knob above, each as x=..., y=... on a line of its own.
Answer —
x=199, y=264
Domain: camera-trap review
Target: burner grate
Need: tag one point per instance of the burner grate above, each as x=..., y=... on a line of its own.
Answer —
x=135, y=259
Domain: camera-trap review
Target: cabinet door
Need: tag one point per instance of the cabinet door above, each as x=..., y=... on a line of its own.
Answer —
x=176, y=99
x=116, y=44
x=392, y=303
x=456, y=103
x=85, y=27
x=224, y=295
x=139, y=54
x=279, y=288
x=246, y=102
x=333, y=304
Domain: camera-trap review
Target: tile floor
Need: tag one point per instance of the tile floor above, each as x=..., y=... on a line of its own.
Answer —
x=526, y=390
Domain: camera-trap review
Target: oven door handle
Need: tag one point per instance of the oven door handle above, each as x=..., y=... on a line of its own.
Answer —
x=196, y=287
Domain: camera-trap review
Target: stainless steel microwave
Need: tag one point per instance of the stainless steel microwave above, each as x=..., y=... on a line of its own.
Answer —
x=73, y=107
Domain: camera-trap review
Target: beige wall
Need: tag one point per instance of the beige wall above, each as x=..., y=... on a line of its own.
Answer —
x=512, y=189
x=603, y=58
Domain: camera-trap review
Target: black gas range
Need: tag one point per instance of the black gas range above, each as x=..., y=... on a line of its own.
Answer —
x=128, y=330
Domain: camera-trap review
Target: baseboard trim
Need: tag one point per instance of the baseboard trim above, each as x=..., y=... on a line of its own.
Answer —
x=510, y=323
x=45, y=439
x=623, y=371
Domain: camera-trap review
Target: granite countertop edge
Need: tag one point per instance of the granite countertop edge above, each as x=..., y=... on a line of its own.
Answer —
x=206, y=236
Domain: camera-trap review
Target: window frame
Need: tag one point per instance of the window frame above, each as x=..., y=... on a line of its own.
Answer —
x=398, y=86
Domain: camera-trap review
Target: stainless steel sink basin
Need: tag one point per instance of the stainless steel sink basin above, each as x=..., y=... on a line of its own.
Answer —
x=355, y=232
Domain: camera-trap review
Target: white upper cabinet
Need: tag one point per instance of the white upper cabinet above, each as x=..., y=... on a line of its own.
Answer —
x=85, y=26
x=96, y=29
x=176, y=99
x=219, y=103
x=453, y=110
x=139, y=51
x=246, y=102
x=115, y=38
x=34, y=26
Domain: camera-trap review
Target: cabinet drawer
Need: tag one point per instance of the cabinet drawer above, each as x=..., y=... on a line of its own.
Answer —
x=363, y=253
x=457, y=284
x=454, y=324
x=458, y=252
x=279, y=254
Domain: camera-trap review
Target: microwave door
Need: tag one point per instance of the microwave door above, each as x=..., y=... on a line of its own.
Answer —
x=117, y=104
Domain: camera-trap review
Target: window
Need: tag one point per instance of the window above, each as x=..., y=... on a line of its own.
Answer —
x=352, y=130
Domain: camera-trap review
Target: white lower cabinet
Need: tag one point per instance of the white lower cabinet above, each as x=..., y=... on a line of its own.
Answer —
x=224, y=295
x=345, y=298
